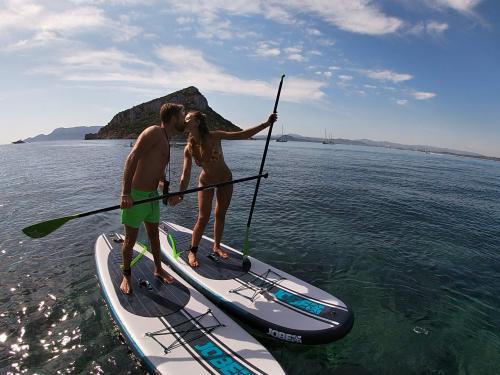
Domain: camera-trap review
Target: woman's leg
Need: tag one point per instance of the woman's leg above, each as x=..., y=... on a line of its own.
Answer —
x=205, y=199
x=224, y=195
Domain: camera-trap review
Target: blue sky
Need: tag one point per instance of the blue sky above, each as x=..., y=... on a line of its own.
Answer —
x=408, y=71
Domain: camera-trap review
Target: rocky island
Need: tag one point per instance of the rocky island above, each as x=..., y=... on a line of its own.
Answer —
x=131, y=122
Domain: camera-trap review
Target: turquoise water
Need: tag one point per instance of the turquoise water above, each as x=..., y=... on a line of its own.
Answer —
x=409, y=240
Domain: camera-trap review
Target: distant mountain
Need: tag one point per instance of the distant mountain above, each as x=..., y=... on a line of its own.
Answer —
x=367, y=142
x=65, y=134
x=131, y=122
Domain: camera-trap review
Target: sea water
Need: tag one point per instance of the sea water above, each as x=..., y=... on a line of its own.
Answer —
x=409, y=240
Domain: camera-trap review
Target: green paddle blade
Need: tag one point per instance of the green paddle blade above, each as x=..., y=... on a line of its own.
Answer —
x=46, y=227
x=140, y=255
x=172, y=245
x=246, y=243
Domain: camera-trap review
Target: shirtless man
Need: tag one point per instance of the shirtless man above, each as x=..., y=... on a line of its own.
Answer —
x=204, y=147
x=144, y=169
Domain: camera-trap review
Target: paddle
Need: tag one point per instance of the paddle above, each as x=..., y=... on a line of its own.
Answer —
x=44, y=228
x=246, y=245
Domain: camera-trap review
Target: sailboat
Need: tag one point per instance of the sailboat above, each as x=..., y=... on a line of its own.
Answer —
x=283, y=137
x=328, y=140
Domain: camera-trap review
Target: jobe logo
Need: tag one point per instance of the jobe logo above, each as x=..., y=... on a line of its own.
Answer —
x=220, y=360
x=284, y=336
x=303, y=304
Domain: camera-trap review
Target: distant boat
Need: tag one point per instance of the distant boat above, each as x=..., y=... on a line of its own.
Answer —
x=18, y=142
x=328, y=140
x=283, y=137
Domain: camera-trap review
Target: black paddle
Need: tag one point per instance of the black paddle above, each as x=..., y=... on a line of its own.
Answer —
x=44, y=228
x=246, y=245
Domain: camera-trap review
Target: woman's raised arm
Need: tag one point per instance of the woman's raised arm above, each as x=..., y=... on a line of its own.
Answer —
x=247, y=133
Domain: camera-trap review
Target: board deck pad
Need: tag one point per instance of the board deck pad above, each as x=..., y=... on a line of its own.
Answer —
x=218, y=269
x=152, y=299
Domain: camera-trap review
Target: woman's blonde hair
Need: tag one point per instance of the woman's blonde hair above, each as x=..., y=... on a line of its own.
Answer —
x=203, y=131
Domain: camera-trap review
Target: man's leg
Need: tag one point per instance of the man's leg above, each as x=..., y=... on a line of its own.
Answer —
x=224, y=195
x=128, y=245
x=205, y=199
x=154, y=239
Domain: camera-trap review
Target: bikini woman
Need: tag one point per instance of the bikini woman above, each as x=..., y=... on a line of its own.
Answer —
x=204, y=147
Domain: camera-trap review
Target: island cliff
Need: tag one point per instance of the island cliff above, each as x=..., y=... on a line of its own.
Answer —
x=131, y=122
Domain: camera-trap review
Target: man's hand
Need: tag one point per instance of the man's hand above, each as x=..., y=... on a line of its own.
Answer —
x=174, y=200
x=273, y=117
x=126, y=201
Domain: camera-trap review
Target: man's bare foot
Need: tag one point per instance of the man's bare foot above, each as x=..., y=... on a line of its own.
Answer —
x=125, y=285
x=193, y=262
x=162, y=274
x=222, y=253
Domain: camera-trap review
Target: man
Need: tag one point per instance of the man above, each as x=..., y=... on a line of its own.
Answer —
x=144, y=169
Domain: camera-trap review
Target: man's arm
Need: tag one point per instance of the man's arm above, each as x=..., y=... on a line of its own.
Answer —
x=144, y=143
x=247, y=133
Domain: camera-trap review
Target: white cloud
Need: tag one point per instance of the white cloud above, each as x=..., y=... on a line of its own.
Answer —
x=463, y=6
x=387, y=75
x=333, y=67
x=436, y=27
x=328, y=74
x=265, y=50
x=184, y=20
x=370, y=86
x=177, y=67
x=327, y=42
x=419, y=95
x=433, y=28
x=316, y=53
x=216, y=30
x=296, y=57
x=88, y=59
x=293, y=50
x=314, y=32
x=345, y=77
x=58, y=21
x=358, y=16
x=402, y=102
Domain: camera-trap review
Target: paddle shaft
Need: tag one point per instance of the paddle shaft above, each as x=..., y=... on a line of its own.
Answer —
x=264, y=156
x=189, y=191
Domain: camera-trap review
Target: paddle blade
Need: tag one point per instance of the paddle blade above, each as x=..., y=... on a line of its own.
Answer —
x=246, y=243
x=46, y=227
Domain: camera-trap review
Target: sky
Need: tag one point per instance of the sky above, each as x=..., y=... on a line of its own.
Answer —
x=407, y=71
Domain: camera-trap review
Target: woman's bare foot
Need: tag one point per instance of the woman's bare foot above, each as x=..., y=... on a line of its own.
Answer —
x=222, y=253
x=164, y=275
x=125, y=285
x=193, y=262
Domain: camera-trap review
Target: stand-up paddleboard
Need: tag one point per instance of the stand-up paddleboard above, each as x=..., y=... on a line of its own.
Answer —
x=272, y=301
x=172, y=328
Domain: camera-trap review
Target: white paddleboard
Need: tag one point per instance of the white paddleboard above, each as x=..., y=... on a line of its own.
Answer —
x=172, y=328
x=272, y=301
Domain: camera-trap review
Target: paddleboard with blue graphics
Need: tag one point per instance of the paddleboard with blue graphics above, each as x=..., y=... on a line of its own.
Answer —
x=270, y=300
x=172, y=328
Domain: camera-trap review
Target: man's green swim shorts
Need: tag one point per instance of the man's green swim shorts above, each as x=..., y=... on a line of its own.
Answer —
x=148, y=212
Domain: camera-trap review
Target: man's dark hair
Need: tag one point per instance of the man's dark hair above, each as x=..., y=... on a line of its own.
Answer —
x=169, y=110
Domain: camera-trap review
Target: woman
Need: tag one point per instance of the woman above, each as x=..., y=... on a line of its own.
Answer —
x=205, y=148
